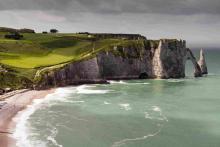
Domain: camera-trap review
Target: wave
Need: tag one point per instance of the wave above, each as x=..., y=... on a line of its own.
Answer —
x=73, y=102
x=84, y=89
x=106, y=103
x=22, y=125
x=117, y=82
x=21, y=130
x=124, y=141
x=152, y=116
x=128, y=83
x=60, y=95
x=139, y=83
x=51, y=137
x=147, y=115
x=125, y=106
x=157, y=109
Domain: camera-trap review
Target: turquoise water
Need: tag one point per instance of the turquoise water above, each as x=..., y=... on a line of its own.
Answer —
x=136, y=113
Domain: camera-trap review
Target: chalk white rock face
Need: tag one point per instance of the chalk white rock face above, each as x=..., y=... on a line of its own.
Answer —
x=197, y=69
x=169, y=59
x=166, y=60
x=202, y=62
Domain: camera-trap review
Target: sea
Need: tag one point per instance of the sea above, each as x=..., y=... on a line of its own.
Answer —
x=133, y=113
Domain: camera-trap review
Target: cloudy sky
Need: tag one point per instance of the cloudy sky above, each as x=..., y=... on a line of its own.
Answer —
x=197, y=21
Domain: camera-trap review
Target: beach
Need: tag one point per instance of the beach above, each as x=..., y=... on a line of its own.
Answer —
x=11, y=105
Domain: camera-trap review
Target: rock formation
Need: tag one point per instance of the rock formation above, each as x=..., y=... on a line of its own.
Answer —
x=167, y=60
x=202, y=63
x=197, y=69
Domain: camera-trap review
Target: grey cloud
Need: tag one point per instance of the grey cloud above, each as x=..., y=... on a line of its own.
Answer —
x=175, y=7
x=34, y=4
x=200, y=30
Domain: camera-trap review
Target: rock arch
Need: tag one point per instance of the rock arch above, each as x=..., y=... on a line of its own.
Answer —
x=197, y=69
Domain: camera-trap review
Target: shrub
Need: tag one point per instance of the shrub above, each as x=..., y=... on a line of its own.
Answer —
x=14, y=35
x=53, y=31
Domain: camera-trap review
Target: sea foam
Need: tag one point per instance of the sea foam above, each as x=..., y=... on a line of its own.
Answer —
x=52, y=139
x=61, y=94
x=117, y=82
x=157, y=109
x=21, y=130
x=85, y=89
x=128, y=83
x=106, y=103
x=126, y=140
x=125, y=106
x=22, y=125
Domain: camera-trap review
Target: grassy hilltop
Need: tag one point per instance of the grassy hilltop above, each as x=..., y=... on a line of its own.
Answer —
x=37, y=50
x=23, y=59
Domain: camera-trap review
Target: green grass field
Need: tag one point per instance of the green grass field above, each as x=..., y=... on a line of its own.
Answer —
x=35, y=52
x=40, y=50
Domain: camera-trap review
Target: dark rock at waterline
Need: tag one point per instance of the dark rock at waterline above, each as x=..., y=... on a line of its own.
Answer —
x=167, y=60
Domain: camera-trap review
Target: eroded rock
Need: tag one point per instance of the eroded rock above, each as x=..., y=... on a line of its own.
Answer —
x=167, y=60
x=197, y=69
x=202, y=62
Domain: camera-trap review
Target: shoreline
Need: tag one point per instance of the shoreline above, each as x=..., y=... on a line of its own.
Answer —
x=11, y=107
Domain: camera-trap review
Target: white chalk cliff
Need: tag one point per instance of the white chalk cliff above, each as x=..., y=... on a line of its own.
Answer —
x=166, y=60
x=202, y=62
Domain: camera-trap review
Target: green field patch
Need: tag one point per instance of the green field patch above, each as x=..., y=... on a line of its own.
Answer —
x=14, y=41
x=4, y=55
x=34, y=62
x=23, y=48
x=34, y=55
x=38, y=53
x=63, y=42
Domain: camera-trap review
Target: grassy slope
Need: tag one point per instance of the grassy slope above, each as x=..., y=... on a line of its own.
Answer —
x=37, y=50
x=23, y=58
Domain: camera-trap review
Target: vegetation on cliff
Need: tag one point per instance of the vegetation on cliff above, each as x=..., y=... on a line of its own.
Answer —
x=25, y=60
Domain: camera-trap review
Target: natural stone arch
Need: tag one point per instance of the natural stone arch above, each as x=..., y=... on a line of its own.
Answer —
x=197, y=69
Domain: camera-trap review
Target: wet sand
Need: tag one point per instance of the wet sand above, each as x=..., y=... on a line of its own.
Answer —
x=10, y=108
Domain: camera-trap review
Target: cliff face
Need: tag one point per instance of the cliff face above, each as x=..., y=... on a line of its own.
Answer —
x=167, y=60
x=118, y=67
x=73, y=74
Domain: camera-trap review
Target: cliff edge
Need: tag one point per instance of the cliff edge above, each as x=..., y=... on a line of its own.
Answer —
x=39, y=60
x=165, y=59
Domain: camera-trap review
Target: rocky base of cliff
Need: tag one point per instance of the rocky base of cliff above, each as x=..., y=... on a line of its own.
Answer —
x=167, y=60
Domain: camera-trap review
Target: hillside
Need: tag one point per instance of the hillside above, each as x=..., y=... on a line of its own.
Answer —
x=21, y=60
x=44, y=60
